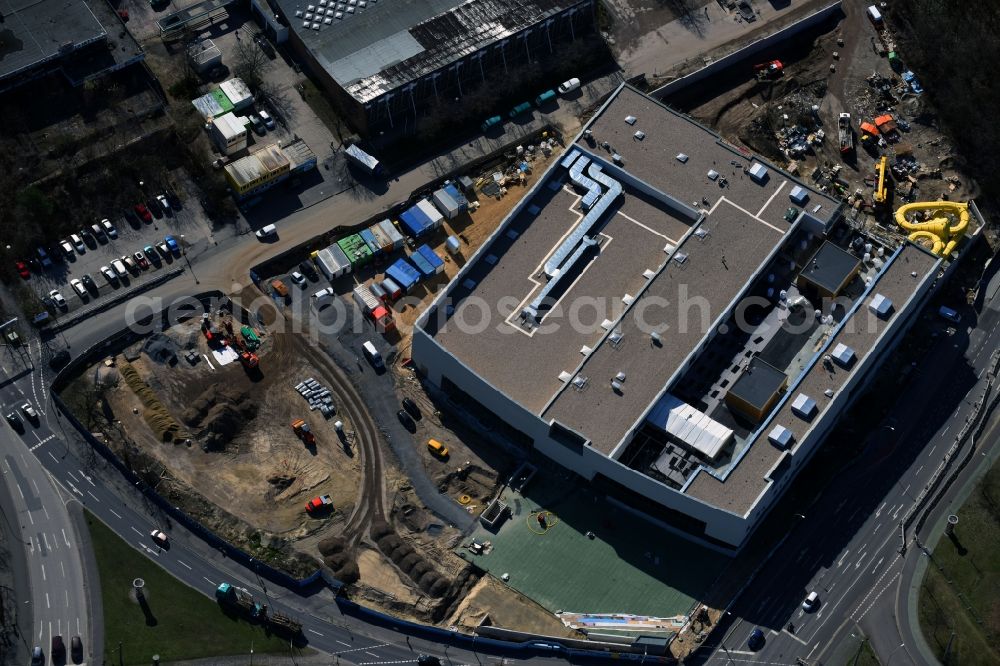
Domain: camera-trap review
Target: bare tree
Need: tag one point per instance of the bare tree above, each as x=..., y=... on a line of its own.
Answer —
x=251, y=63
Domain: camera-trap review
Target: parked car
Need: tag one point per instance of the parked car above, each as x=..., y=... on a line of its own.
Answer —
x=109, y=275
x=568, y=86
x=267, y=119
x=43, y=256
x=437, y=448
x=119, y=268
x=22, y=269
x=172, y=244
x=67, y=249
x=109, y=228
x=406, y=420
x=130, y=264
x=164, y=203
x=297, y=278
x=37, y=656
x=143, y=212
x=57, y=299
x=257, y=124
x=492, y=121
x=307, y=268
x=266, y=231
x=411, y=408
x=78, y=287
x=756, y=639
x=140, y=260
x=159, y=538
x=88, y=282
x=323, y=293
x=78, y=243
x=151, y=254
x=164, y=250
x=97, y=231
x=811, y=602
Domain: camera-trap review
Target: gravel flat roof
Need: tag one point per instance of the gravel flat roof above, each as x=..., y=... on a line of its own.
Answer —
x=751, y=475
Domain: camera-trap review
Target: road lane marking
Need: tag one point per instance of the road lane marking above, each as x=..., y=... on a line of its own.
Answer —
x=877, y=513
x=898, y=510
x=63, y=567
x=20, y=492
x=945, y=431
x=210, y=582
x=30, y=518
x=73, y=477
x=343, y=643
x=47, y=604
x=46, y=511
x=55, y=541
x=87, y=478
x=920, y=469
x=932, y=451
x=876, y=527
x=182, y=562
x=880, y=561
x=116, y=514
x=313, y=631
x=67, y=599
x=136, y=531
x=46, y=540
x=64, y=537
x=94, y=496
x=44, y=577
x=371, y=653
x=843, y=557
x=54, y=459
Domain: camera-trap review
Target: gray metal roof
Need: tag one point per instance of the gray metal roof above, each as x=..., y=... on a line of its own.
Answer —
x=33, y=32
x=371, y=47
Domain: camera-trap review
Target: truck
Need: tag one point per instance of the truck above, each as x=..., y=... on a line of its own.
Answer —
x=845, y=133
x=302, y=431
x=284, y=624
x=373, y=308
x=239, y=599
x=249, y=360
x=319, y=504
x=250, y=338
x=364, y=161
x=769, y=71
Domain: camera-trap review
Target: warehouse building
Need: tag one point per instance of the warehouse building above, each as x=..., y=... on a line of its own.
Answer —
x=646, y=329
x=80, y=40
x=385, y=63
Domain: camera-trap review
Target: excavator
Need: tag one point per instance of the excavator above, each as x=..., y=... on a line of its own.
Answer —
x=769, y=71
x=943, y=231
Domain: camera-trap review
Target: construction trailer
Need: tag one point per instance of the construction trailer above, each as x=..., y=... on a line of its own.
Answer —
x=356, y=249
x=403, y=274
x=389, y=229
x=373, y=244
x=332, y=261
x=431, y=257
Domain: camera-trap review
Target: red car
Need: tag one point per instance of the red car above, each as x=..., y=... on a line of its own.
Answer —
x=140, y=259
x=143, y=212
x=22, y=269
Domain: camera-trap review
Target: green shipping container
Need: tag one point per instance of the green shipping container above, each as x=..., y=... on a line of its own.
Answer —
x=356, y=249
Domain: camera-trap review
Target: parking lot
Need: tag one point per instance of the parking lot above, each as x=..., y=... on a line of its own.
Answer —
x=132, y=232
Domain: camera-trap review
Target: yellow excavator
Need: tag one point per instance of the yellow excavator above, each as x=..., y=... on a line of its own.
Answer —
x=943, y=231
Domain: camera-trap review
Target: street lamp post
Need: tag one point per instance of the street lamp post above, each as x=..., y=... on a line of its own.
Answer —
x=185, y=255
x=893, y=653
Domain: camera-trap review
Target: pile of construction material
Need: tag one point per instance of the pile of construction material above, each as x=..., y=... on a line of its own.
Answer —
x=318, y=397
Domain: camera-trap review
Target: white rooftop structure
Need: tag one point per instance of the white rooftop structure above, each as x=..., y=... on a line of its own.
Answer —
x=758, y=172
x=799, y=195
x=843, y=354
x=781, y=437
x=237, y=92
x=692, y=427
x=804, y=407
x=230, y=126
x=880, y=305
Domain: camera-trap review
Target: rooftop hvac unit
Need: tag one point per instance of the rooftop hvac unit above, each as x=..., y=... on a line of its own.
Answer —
x=640, y=135
x=615, y=338
x=682, y=158
x=616, y=386
x=630, y=120
x=617, y=159
x=656, y=339
x=620, y=376
x=579, y=382
x=712, y=174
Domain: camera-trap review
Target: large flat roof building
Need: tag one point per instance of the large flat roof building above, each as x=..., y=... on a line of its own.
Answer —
x=79, y=38
x=650, y=272
x=385, y=61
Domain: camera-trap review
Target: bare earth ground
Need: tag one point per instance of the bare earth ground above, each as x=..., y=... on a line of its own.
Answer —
x=494, y=603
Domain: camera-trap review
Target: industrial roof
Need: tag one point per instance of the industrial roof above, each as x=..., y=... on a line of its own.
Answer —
x=375, y=46
x=34, y=31
x=741, y=228
x=830, y=267
x=262, y=161
x=758, y=465
x=758, y=383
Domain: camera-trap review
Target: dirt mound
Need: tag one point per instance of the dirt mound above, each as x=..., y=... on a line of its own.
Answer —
x=344, y=567
x=154, y=412
x=411, y=563
x=281, y=482
x=219, y=416
x=331, y=546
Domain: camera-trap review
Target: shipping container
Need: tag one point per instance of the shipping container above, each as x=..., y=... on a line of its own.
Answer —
x=332, y=261
x=403, y=274
x=393, y=233
x=365, y=299
x=356, y=249
x=431, y=257
x=457, y=194
x=392, y=290
x=384, y=242
x=415, y=222
x=364, y=160
x=446, y=204
x=378, y=292
x=425, y=267
x=435, y=216
x=368, y=237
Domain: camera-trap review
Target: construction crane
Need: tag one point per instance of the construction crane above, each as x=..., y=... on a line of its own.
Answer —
x=882, y=187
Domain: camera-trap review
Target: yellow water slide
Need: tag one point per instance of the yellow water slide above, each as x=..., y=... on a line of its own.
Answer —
x=943, y=231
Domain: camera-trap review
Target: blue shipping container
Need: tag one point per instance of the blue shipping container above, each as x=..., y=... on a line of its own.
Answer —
x=431, y=257
x=403, y=274
x=368, y=237
x=457, y=195
x=422, y=264
x=415, y=221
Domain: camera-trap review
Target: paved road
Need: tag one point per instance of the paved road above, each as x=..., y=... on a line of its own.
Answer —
x=847, y=547
x=58, y=601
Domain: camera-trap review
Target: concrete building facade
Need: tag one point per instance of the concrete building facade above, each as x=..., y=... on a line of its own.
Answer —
x=593, y=398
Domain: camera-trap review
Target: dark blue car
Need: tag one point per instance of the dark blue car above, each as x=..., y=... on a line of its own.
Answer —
x=172, y=244
x=756, y=640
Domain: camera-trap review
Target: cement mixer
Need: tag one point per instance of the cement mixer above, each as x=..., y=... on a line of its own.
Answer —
x=943, y=231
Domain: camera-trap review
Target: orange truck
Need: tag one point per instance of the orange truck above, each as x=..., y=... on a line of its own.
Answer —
x=303, y=432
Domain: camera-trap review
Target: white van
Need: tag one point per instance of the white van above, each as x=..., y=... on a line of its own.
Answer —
x=372, y=355
x=265, y=232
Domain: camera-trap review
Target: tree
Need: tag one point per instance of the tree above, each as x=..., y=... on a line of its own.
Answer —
x=251, y=63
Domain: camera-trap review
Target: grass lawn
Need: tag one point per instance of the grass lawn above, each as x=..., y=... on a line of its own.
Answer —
x=959, y=602
x=183, y=624
x=864, y=657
